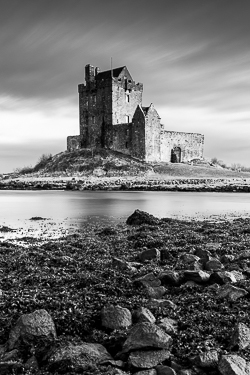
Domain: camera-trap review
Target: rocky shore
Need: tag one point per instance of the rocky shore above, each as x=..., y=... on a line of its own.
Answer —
x=129, y=184
x=147, y=297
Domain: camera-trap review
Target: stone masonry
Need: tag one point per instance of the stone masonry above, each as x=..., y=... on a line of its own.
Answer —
x=112, y=116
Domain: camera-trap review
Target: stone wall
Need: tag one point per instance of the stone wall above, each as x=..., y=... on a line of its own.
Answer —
x=74, y=142
x=152, y=135
x=138, y=135
x=122, y=138
x=190, y=145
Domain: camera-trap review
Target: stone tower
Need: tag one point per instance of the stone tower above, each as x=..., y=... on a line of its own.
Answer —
x=107, y=99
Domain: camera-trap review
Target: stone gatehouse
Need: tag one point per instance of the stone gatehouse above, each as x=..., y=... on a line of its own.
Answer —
x=112, y=116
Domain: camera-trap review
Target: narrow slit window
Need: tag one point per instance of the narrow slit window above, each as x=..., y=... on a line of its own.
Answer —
x=127, y=98
x=127, y=119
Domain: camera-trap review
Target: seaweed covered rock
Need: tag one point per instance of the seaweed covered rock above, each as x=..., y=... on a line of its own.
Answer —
x=77, y=358
x=37, y=329
x=115, y=317
x=147, y=335
x=142, y=217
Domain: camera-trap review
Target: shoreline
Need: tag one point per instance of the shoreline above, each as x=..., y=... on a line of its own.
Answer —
x=128, y=184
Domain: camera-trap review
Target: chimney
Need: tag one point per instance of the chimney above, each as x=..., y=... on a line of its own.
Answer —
x=97, y=71
x=89, y=74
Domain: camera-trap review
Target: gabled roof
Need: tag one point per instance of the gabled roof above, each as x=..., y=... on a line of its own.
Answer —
x=107, y=74
x=145, y=110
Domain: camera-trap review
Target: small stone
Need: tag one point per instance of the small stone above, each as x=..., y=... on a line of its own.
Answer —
x=147, y=335
x=233, y=365
x=213, y=265
x=241, y=337
x=231, y=292
x=149, y=254
x=203, y=254
x=227, y=258
x=115, y=317
x=169, y=277
x=156, y=292
x=222, y=277
x=147, y=359
x=143, y=315
x=165, y=370
x=168, y=325
x=197, y=276
x=208, y=359
x=32, y=364
x=161, y=303
x=244, y=254
x=148, y=280
x=123, y=265
x=151, y=371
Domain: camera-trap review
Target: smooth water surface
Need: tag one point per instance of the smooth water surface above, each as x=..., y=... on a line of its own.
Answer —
x=102, y=205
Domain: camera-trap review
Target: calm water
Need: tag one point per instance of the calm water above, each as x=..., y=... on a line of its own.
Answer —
x=64, y=209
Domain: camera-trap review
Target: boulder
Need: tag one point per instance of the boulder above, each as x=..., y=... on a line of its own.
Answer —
x=233, y=365
x=141, y=217
x=123, y=265
x=241, y=337
x=77, y=358
x=146, y=336
x=244, y=254
x=32, y=329
x=149, y=254
x=115, y=317
x=231, y=292
x=147, y=359
x=143, y=315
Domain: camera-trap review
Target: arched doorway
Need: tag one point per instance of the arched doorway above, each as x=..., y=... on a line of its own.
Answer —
x=176, y=155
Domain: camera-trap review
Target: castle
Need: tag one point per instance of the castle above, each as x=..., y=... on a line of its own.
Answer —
x=112, y=116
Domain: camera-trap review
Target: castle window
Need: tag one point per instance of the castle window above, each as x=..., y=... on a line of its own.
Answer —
x=93, y=119
x=127, y=98
x=126, y=144
x=127, y=119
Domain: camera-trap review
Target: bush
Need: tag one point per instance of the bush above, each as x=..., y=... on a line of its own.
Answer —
x=42, y=162
x=24, y=170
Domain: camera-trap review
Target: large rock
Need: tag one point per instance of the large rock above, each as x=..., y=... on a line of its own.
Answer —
x=77, y=358
x=147, y=359
x=34, y=328
x=147, y=336
x=151, y=371
x=241, y=337
x=141, y=217
x=204, y=255
x=115, y=317
x=154, y=303
x=233, y=365
x=231, y=292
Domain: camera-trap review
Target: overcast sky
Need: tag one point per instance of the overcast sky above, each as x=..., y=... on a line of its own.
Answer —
x=193, y=57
